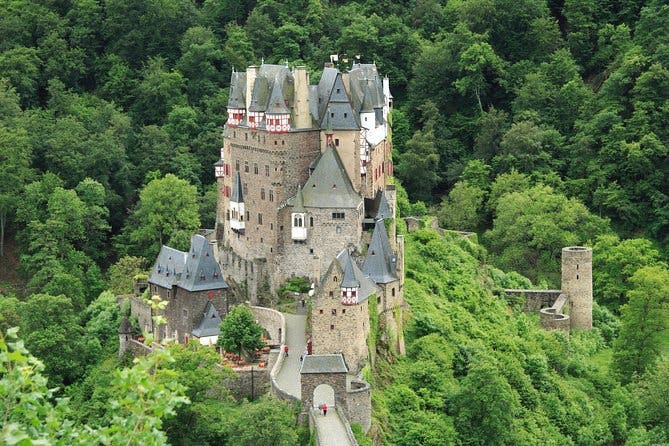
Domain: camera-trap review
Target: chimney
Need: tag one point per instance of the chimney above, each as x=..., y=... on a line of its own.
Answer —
x=301, y=114
x=251, y=73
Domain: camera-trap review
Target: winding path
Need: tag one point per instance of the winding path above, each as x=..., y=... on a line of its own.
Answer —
x=331, y=429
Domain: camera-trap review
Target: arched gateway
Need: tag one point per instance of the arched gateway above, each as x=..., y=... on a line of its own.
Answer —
x=320, y=372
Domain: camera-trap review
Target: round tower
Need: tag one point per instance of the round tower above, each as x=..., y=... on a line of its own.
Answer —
x=124, y=336
x=577, y=284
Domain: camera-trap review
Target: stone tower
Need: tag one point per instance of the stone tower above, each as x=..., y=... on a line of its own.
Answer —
x=124, y=336
x=577, y=284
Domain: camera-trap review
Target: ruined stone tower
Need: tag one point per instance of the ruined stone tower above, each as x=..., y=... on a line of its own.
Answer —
x=577, y=284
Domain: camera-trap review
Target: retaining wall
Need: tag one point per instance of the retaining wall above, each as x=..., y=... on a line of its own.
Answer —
x=535, y=300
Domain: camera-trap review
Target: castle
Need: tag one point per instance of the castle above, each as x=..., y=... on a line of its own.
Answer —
x=304, y=173
x=303, y=191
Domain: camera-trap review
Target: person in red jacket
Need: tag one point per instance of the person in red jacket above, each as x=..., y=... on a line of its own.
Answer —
x=285, y=350
x=325, y=409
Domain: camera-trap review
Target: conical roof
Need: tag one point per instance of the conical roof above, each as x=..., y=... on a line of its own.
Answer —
x=237, y=192
x=349, y=280
x=380, y=262
x=277, y=101
x=367, y=100
x=298, y=201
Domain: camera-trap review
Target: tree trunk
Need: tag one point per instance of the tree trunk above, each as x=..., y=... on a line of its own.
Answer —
x=3, y=221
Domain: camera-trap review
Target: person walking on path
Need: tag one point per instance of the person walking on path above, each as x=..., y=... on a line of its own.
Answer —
x=285, y=350
x=325, y=409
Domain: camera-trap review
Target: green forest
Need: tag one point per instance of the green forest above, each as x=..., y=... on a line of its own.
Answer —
x=533, y=124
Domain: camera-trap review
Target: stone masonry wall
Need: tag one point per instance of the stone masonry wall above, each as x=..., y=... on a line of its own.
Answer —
x=577, y=284
x=535, y=300
x=338, y=328
x=359, y=403
x=249, y=383
x=312, y=380
x=185, y=310
x=325, y=239
x=271, y=320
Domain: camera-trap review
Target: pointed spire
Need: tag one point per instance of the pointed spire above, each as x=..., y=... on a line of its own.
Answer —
x=237, y=192
x=349, y=280
x=380, y=261
x=298, y=204
x=367, y=105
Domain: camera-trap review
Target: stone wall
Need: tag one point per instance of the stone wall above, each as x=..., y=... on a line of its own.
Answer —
x=577, y=283
x=339, y=328
x=273, y=321
x=185, y=310
x=326, y=238
x=552, y=317
x=312, y=380
x=359, y=403
x=250, y=382
x=535, y=300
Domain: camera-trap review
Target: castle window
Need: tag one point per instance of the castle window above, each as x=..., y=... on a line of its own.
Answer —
x=185, y=313
x=337, y=142
x=334, y=311
x=271, y=226
x=297, y=221
x=343, y=311
x=320, y=311
x=255, y=168
x=246, y=166
x=392, y=291
x=345, y=115
x=276, y=143
x=378, y=299
x=338, y=230
x=168, y=294
x=338, y=215
x=338, y=90
x=266, y=170
x=311, y=250
x=234, y=134
x=331, y=326
x=311, y=221
x=248, y=216
x=271, y=195
x=246, y=136
x=283, y=143
x=334, y=279
x=237, y=165
x=262, y=193
x=259, y=219
x=245, y=189
x=332, y=115
x=331, y=295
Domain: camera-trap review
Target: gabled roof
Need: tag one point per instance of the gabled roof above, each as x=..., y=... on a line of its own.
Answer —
x=201, y=271
x=324, y=364
x=380, y=262
x=237, y=195
x=355, y=278
x=329, y=185
x=210, y=323
x=196, y=270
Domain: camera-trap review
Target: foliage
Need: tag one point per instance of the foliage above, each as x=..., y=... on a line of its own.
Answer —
x=239, y=332
x=643, y=323
x=166, y=214
x=32, y=418
x=122, y=274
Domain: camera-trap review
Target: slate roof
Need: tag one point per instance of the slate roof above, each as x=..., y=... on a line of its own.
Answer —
x=355, y=277
x=277, y=101
x=298, y=202
x=323, y=364
x=210, y=323
x=237, y=195
x=201, y=271
x=378, y=207
x=380, y=262
x=237, y=98
x=329, y=185
x=168, y=267
x=196, y=270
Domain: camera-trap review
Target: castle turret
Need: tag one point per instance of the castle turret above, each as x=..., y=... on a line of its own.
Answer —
x=124, y=336
x=301, y=114
x=350, y=285
x=237, y=206
x=577, y=284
